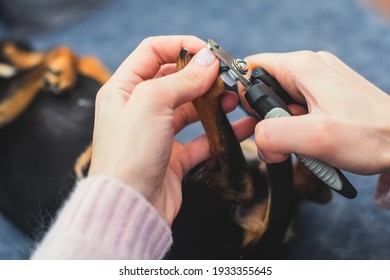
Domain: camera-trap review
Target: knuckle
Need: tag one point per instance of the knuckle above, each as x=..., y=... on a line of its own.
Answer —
x=300, y=63
x=306, y=58
x=329, y=57
x=192, y=37
x=326, y=54
x=297, y=62
x=307, y=55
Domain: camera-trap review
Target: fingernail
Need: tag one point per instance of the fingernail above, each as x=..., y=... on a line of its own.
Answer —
x=204, y=57
x=260, y=154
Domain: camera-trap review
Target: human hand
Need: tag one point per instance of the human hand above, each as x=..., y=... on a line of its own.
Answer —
x=347, y=122
x=142, y=107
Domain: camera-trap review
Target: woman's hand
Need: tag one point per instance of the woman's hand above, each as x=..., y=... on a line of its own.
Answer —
x=142, y=107
x=347, y=124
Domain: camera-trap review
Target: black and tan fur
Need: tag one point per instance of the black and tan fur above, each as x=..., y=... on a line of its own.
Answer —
x=46, y=119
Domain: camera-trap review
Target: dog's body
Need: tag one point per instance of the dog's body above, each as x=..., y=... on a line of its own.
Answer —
x=46, y=121
x=232, y=208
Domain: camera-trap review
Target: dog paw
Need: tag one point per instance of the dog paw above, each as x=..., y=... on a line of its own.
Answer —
x=16, y=56
x=61, y=71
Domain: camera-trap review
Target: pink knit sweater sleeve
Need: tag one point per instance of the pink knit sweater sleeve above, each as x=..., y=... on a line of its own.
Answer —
x=106, y=219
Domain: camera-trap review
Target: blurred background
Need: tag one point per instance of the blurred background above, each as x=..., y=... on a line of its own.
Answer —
x=356, y=31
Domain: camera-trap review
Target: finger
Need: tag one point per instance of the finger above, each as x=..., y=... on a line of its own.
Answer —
x=186, y=114
x=180, y=87
x=145, y=61
x=198, y=151
x=229, y=101
x=275, y=65
x=306, y=135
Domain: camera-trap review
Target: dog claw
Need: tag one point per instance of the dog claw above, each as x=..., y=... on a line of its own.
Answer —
x=183, y=53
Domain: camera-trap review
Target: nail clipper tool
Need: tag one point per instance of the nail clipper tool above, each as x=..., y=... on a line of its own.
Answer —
x=264, y=96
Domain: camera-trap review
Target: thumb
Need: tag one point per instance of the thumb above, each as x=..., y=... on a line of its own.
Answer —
x=307, y=135
x=185, y=85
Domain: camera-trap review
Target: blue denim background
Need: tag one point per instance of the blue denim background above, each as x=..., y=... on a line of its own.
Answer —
x=343, y=229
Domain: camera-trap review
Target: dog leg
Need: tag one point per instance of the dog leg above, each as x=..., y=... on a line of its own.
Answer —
x=54, y=70
x=16, y=57
x=307, y=185
x=93, y=68
x=226, y=168
x=256, y=219
x=19, y=56
x=20, y=95
x=227, y=171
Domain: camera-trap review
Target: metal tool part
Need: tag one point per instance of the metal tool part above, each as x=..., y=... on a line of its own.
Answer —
x=229, y=61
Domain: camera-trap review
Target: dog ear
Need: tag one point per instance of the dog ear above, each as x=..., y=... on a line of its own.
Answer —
x=308, y=186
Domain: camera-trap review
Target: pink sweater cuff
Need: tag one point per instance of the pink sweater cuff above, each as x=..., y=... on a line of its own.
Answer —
x=106, y=219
